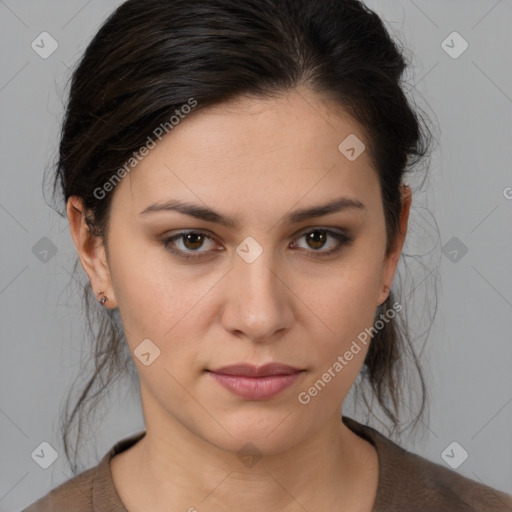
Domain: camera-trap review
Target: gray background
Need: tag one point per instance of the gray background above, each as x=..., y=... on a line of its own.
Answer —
x=469, y=348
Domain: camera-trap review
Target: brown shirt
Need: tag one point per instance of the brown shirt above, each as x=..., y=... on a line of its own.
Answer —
x=407, y=483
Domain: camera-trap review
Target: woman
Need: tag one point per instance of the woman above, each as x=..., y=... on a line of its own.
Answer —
x=233, y=173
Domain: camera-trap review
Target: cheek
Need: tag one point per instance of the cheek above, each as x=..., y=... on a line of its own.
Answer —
x=341, y=340
x=344, y=300
x=341, y=310
x=151, y=295
x=166, y=303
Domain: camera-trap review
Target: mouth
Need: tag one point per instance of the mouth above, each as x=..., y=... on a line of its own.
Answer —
x=256, y=383
x=249, y=370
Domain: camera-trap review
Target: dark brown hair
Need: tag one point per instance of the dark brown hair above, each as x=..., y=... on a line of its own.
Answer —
x=151, y=56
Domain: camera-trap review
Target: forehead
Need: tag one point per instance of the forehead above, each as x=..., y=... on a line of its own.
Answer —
x=257, y=153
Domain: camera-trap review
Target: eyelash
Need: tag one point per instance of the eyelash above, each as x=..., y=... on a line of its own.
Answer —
x=342, y=238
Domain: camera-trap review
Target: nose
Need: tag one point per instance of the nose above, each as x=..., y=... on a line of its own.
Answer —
x=259, y=304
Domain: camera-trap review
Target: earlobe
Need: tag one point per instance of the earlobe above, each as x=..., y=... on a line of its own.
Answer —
x=385, y=292
x=91, y=251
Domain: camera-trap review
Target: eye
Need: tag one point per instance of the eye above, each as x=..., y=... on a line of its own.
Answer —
x=318, y=237
x=191, y=241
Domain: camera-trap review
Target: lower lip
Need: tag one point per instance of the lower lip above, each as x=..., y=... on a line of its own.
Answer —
x=256, y=388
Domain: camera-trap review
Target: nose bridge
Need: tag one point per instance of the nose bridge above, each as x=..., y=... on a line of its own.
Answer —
x=260, y=306
x=255, y=270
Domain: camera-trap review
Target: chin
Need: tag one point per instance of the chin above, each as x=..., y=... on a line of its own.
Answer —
x=265, y=434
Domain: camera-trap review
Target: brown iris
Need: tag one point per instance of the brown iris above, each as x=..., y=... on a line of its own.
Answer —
x=196, y=239
x=316, y=239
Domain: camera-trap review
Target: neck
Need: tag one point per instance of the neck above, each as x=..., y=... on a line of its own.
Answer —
x=173, y=469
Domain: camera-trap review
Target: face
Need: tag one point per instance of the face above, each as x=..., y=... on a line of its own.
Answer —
x=267, y=287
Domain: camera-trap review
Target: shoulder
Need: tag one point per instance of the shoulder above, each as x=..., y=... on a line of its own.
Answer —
x=408, y=481
x=74, y=495
x=90, y=491
x=435, y=487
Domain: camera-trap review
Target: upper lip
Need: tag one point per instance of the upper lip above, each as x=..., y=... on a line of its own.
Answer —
x=249, y=370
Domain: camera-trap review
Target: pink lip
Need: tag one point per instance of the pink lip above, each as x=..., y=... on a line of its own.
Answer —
x=256, y=383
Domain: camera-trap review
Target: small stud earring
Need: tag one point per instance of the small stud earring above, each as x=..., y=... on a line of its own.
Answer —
x=103, y=299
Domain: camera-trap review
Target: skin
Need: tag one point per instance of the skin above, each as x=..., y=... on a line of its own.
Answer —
x=255, y=160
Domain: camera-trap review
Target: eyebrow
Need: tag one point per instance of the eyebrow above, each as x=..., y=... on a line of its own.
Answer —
x=296, y=216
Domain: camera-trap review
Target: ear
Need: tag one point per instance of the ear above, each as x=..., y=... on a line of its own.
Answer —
x=395, y=250
x=91, y=251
